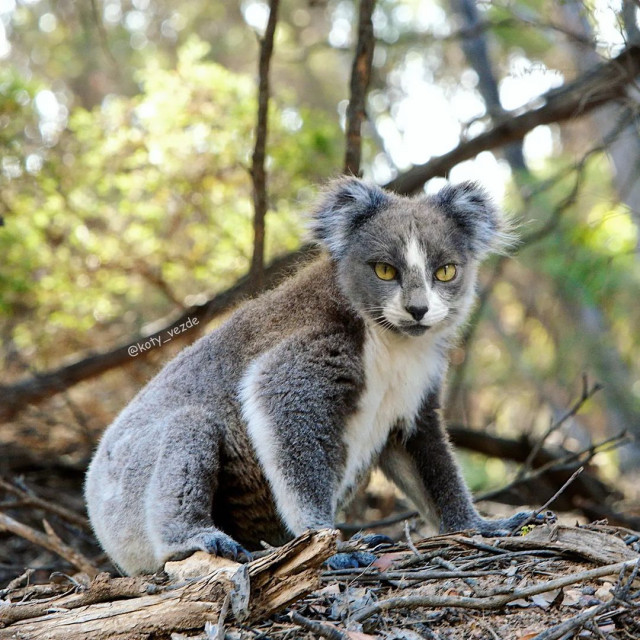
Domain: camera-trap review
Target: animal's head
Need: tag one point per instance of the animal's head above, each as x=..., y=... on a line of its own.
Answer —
x=409, y=264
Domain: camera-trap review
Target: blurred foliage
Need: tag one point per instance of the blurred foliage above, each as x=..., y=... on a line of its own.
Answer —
x=145, y=201
x=126, y=130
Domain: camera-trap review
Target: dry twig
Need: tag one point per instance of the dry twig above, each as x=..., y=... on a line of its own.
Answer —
x=50, y=541
x=323, y=630
x=587, y=393
x=28, y=498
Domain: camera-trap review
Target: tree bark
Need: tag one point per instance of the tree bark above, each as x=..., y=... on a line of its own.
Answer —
x=360, y=76
x=258, y=172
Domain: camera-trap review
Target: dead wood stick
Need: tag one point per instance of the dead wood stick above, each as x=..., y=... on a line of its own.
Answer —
x=323, y=630
x=270, y=584
x=258, y=171
x=488, y=602
x=559, y=463
x=49, y=541
x=464, y=575
x=102, y=589
x=574, y=623
x=621, y=596
x=410, y=576
x=30, y=499
x=18, y=582
x=35, y=389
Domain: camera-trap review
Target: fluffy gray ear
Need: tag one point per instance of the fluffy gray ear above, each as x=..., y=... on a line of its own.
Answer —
x=475, y=213
x=344, y=205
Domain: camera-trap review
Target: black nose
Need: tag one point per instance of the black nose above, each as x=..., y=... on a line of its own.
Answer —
x=417, y=312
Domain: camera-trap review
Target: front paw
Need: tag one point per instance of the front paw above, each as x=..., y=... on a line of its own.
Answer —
x=220, y=544
x=509, y=526
x=350, y=560
x=214, y=542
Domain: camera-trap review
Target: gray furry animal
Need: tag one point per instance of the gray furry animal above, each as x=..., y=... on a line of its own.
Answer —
x=264, y=427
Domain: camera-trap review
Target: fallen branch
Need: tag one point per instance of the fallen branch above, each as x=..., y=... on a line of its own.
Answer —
x=621, y=596
x=595, y=546
x=587, y=393
x=29, y=499
x=574, y=623
x=257, y=590
x=552, y=499
x=103, y=588
x=16, y=397
x=319, y=629
x=488, y=602
x=49, y=541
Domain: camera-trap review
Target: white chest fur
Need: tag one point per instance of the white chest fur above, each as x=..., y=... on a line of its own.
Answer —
x=399, y=372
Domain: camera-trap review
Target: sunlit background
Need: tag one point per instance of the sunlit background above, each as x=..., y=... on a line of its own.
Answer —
x=126, y=132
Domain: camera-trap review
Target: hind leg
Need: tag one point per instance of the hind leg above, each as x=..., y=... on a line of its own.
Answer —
x=179, y=499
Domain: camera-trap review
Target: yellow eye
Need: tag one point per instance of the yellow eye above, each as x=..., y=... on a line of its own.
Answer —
x=446, y=273
x=385, y=271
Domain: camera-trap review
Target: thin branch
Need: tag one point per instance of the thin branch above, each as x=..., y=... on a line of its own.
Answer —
x=621, y=595
x=104, y=39
x=49, y=541
x=317, y=628
x=30, y=499
x=360, y=76
x=587, y=393
x=560, y=464
x=258, y=172
x=552, y=499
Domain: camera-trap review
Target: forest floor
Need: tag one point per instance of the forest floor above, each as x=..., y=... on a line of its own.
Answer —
x=554, y=582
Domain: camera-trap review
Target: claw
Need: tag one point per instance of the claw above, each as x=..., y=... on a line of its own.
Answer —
x=226, y=547
x=351, y=560
x=372, y=540
x=508, y=526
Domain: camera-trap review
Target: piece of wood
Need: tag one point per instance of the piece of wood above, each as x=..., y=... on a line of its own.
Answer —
x=257, y=589
x=586, y=543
